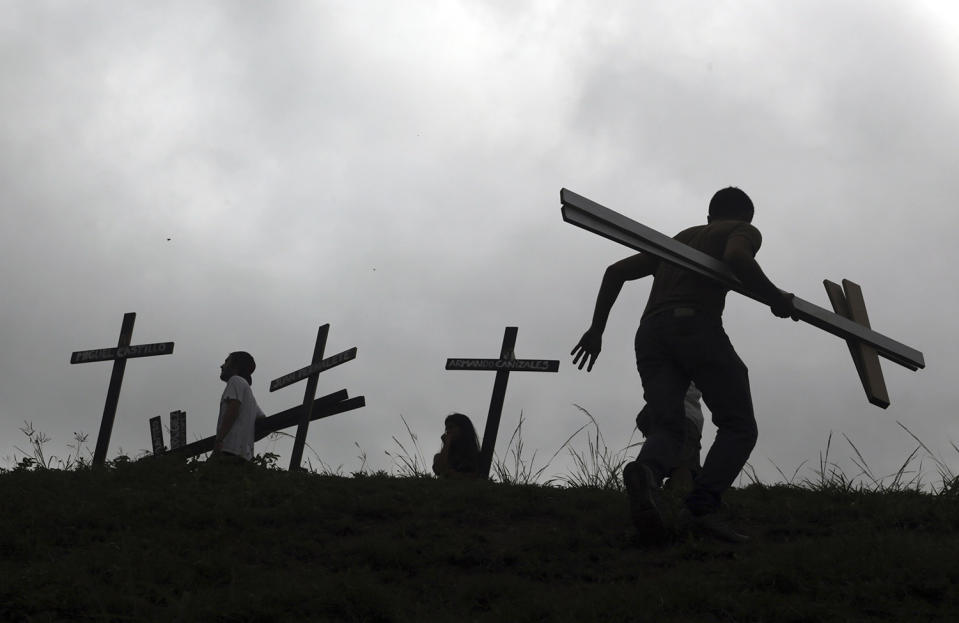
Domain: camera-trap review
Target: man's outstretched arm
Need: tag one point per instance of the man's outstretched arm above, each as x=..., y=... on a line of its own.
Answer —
x=740, y=257
x=637, y=266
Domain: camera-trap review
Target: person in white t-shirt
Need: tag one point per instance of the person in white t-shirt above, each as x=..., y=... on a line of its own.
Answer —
x=682, y=476
x=238, y=407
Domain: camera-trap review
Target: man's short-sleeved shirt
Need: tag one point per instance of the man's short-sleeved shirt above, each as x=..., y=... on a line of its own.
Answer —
x=239, y=440
x=677, y=287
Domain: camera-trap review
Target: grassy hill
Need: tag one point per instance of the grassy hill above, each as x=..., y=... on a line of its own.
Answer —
x=163, y=540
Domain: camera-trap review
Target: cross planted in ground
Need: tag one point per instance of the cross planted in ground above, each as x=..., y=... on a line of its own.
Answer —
x=506, y=363
x=311, y=373
x=119, y=356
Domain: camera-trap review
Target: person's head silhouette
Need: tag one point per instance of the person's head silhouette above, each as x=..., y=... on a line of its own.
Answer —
x=461, y=442
x=239, y=363
x=730, y=203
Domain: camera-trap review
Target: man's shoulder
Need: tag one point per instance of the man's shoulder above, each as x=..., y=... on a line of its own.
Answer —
x=236, y=387
x=723, y=228
x=728, y=228
x=236, y=379
x=689, y=233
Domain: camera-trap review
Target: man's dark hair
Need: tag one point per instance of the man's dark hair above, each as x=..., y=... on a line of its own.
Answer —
x=244, y=364
x=731, y=203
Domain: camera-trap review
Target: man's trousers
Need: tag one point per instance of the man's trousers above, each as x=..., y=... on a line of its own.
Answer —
x=673, y=348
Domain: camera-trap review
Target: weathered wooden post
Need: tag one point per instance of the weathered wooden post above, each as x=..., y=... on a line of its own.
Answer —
x=849, y=321
x=312, y=373
x=177, y=429
x=119, y=356
x=177, y=432
x=506, y=363
x=156, y=435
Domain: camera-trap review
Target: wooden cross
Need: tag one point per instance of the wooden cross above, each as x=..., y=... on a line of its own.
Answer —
x=323, y=407
x=311, y=373
x=119, y=356
x=506, y=363
x=849, y=320
x=847, y=301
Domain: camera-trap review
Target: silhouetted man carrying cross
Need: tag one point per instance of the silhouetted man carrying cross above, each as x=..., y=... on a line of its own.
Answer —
x=681, y=339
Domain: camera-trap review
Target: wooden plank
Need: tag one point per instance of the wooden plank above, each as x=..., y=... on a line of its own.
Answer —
x=113, y=392
x=602, y=221
x=315, y=368
x=303, y=426
x=127, y=352
x=871, y=372
x=872, y=382
x=156, y=435
x=496, y=403
x=177, y=429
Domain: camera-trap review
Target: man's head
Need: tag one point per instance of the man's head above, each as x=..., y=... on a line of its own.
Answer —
x=239, y=363
x=730, y=204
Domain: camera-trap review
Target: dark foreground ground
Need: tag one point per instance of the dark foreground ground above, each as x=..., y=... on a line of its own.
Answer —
x=164, y=541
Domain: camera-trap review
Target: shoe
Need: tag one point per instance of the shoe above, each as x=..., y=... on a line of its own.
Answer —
x=646, y=505
x=680, y=483
x=715, y=525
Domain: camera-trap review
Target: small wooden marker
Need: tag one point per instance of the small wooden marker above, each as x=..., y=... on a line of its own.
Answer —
x=506, y=363
x=156, y=435
x=119, y=356
x=177, y=429
x=311, y=373
x=177, y=432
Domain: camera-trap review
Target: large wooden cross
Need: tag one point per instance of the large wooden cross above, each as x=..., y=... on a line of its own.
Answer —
x=119, y=356
x=848, y=320
x=311, y=373
x=323, y=407
x=506, y=363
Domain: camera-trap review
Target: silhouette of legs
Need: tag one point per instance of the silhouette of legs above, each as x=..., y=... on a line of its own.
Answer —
x=671, y=350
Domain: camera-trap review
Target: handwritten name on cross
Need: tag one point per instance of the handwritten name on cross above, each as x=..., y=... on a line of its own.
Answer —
x=119, y=356
x=506, y=363
x=323, y=407
x=849, y=320
x=311, y=373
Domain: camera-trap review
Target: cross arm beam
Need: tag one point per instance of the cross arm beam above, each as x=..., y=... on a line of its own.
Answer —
x=323, y=407
x=847, y=301
x=591, y=216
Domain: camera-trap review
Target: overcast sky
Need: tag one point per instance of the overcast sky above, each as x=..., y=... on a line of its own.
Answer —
x=239, y=173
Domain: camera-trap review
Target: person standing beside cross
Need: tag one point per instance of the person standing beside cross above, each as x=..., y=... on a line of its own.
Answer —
x=238, y=408
x=681, y=339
